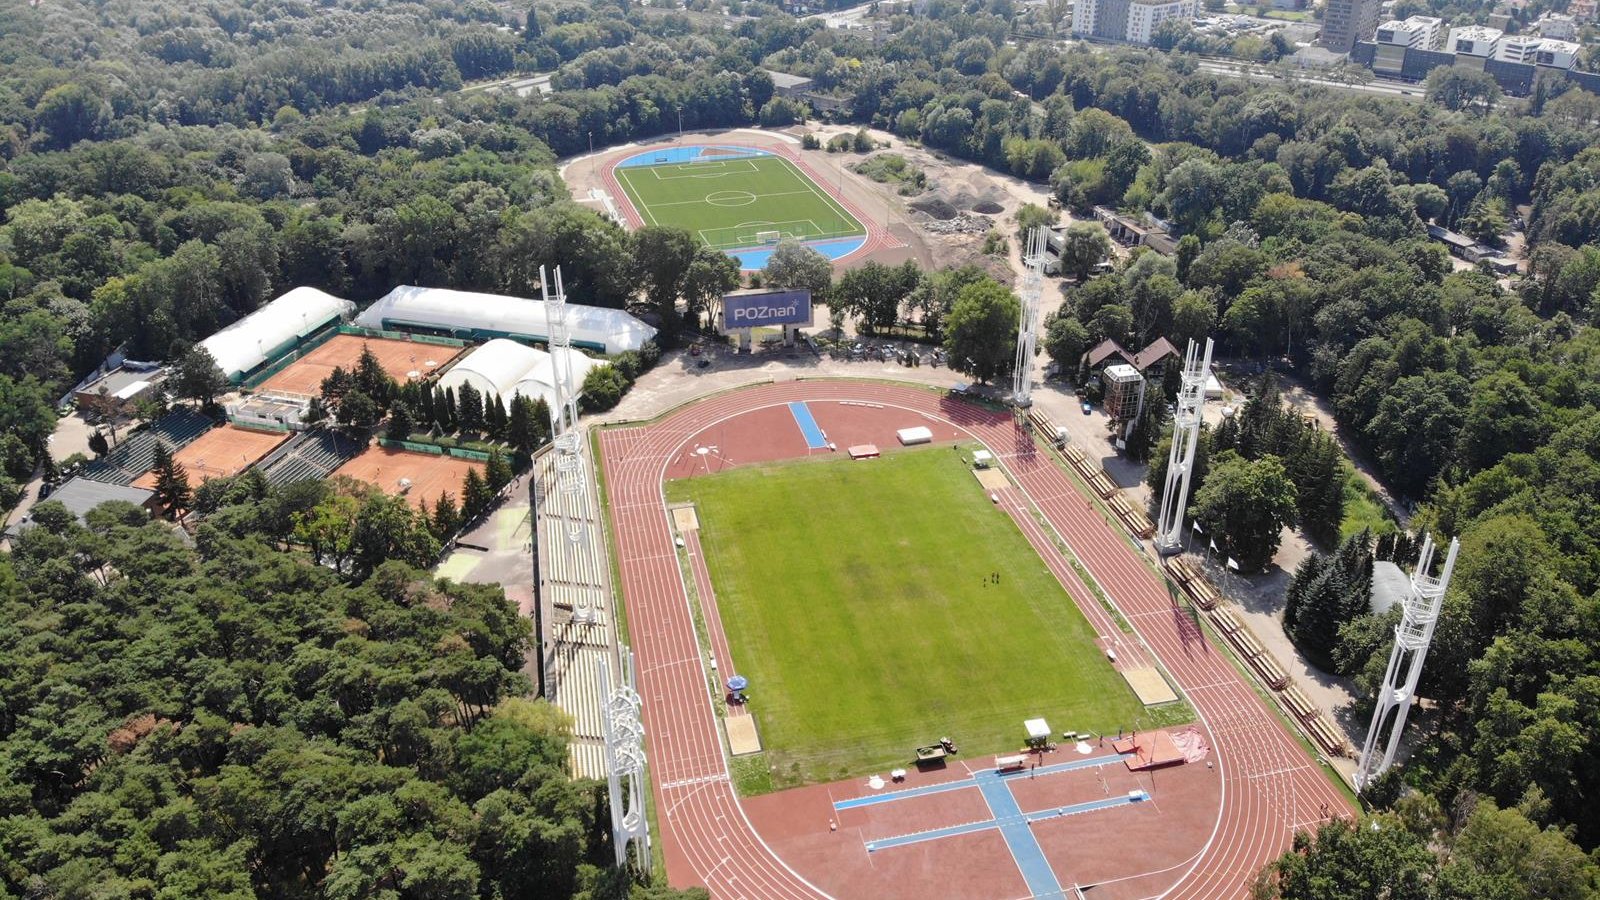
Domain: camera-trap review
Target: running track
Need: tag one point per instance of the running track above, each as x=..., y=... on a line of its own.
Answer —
x=1269, y=785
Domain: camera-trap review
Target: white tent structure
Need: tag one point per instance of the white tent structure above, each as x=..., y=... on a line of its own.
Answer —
x=540, y=380
x=474, y=316
x=494, y=368
x=273, y=329
x=505, y=368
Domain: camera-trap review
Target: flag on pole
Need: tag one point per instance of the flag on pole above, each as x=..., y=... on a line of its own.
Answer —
x=1197, y=528
x=1233, y=564
x=1213, y=543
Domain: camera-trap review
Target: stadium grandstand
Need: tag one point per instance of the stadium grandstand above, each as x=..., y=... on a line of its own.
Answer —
x=479, y=317
x=137, y=452
x=313, y=454
x=273, y=330
x=505, y=368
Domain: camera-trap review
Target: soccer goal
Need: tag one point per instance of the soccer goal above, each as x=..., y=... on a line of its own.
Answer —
x=767, y=237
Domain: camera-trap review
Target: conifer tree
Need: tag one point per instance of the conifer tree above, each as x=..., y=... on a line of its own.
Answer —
x=476, y=495
x=498, y=472
x=172, y=483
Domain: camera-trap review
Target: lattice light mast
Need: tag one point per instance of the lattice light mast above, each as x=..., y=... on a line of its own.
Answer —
x=1412, y=638
x=570, y=464
x=625, y=763
x=1028, y=325
x=1185, y=438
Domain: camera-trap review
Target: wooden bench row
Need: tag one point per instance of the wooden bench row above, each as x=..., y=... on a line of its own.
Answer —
x=1137, y=523
x=1305, y=713
x=1198, y=589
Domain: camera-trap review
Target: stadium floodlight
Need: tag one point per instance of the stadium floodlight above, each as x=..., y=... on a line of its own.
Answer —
x=1185, y=438
x=625, y=761
x=1028, y=323
x=1412, y=637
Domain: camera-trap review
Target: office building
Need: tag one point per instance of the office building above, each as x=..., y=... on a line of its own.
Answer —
x=1346, y=21
x=1422, y=32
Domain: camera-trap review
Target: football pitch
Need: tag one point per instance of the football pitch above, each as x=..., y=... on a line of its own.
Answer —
x=737, y=203
x=859, y=599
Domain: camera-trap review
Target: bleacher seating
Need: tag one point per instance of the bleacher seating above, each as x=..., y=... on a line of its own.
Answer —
x=137, y=452
x=572, y=575
x=310, y=454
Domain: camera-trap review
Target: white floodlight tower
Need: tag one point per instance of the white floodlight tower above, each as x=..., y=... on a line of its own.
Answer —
x=570, y=468
x=1412, y=638
x=1185, y=438
x=625, y=763
x=1028, y=324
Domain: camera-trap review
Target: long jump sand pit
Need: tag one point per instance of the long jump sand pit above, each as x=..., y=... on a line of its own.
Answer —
x=425, y=475
x=398, y=358
x=220, y=453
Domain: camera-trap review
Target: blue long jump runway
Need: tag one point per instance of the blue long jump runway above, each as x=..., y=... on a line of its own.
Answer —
x=815, y=439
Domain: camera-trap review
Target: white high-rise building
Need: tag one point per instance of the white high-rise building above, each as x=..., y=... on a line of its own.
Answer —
x=1145, y=15
x=1474, y=40
x=1420, y=32
x=1537, y=51
x=1558, y=26
x=1133, y=21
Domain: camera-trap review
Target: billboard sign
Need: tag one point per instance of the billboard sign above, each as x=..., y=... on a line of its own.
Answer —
x=766, y=309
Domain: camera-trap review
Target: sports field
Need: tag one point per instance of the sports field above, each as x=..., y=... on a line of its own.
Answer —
x=734, y=203
x=858, y=597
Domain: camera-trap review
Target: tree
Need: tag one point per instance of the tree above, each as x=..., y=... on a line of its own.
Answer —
x=97, y=443
x=603, y=388
x=1030, y=216
x=1245, y=504
x=662, y=256
x=1325, y=595
x=981, y=331
x=358, y=410
x=1083, y=246
x=1065, y=340
x=69, y=113
x=446, y=517
x=1458, y=88
x=497, y=472
x=469, y=408
x=402, y=422
x=387, y=528
x=172, y=483
x=197, y=376
x=527, y=429
x=476, y=495
x=1347, y=859
x=793, y=265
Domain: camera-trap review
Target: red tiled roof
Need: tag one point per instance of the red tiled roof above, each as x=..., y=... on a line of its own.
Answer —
x=1159, y=349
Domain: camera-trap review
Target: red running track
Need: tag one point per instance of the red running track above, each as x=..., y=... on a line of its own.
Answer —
x=1270, y=786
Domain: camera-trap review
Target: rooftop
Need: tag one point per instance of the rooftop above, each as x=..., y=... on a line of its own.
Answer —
x=790, y=82
x=119, y=380
x=79, y=495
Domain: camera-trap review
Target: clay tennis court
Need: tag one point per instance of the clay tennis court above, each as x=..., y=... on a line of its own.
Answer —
x=428, y=474
x=304, y=375
x=219, y=453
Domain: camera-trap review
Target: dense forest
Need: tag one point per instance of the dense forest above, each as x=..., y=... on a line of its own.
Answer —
x=165, y=168
x=223, y=718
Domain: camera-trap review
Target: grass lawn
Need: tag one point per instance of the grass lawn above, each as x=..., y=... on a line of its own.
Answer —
x=726, y=202
x=856, y=597
x=1362, y=509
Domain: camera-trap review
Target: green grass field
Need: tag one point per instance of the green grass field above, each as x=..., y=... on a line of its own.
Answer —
x=726, y=203
x=856, y=597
